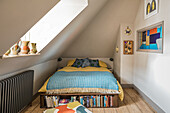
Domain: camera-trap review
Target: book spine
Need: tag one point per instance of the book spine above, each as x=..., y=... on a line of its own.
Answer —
x=101, y=101
x=54, y=101
x=81, y=100
x=57, y=100
x=104, y=101
x=98, y=101
x=108, y=101
x=94, y=101
x=74, y=98
x=111, y=101
x=51, y=101
x=47, y=102
x=88, y=101
x=91, y=101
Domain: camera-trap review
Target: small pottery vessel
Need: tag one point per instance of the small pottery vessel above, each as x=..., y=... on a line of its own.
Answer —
x=33, y=48
x=8, y=52
x=24, y=47
x=15, y=49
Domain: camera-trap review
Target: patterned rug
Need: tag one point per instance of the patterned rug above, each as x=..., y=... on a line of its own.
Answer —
x=73, y=107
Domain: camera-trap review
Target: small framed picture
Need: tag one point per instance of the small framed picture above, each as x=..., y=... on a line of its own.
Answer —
x=151, y=7
x=128, y=47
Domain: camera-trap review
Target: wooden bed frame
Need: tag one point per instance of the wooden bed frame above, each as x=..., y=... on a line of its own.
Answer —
x=68, y=95
x=115, y=98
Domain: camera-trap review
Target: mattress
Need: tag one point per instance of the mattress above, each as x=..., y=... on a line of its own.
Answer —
x=80, y=80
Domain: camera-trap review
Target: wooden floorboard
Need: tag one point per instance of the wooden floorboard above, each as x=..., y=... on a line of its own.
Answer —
x=141, y=104
x=133, y=103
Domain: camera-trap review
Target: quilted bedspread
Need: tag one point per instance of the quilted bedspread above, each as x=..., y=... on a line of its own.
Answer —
x=82, y=79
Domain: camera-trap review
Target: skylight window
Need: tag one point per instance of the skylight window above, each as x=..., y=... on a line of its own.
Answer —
x=48, y=27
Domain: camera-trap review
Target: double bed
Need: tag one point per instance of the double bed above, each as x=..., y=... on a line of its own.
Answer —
x=80, y=80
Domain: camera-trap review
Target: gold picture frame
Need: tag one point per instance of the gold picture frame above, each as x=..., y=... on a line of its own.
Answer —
x=128, y=47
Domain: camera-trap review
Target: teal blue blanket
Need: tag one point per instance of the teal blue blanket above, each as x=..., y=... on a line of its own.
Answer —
x=81, y=79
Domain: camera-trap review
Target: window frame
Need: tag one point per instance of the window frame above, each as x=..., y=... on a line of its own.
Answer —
x=148, y=28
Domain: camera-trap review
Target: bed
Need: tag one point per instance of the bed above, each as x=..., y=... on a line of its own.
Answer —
x=79, y=80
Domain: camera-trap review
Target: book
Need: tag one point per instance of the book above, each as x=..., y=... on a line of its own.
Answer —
x=91, y=101
x=51, y=101
x=108, y=101
x=98, y=101
x=111, y=101
x=54, y=101
x=57, y=100
x=94, y=101
x=47, y=101
x=101, y=102
x=74, y=98
x=88, y=101
x=85, y=100
x=81, y=100
x=105, y=101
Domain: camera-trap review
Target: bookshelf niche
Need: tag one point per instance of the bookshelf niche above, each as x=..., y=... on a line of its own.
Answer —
x=89, y=100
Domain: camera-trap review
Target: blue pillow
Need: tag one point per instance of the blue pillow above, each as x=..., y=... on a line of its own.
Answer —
x=94, y=63
x=78, y=63
x=86, y=62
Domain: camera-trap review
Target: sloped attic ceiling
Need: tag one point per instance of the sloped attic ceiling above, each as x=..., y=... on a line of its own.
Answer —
x=99, y=37
x=11, y=30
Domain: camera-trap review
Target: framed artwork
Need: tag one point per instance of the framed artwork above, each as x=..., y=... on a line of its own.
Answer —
x=128, y=47
x=150, y=39
x=151, y=7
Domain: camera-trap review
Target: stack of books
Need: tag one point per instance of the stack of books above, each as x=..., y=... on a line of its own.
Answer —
x=73, y=98
x=63, y=102
x=51, y=101
x=88, y=101
x=96, y=101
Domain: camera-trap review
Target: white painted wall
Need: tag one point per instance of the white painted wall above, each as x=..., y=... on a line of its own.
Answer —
x=126, y=70
x=151, y=70
x=123, y=64
x=10, y=34
x=98, y=39
x=41, y=73
x=117, y=55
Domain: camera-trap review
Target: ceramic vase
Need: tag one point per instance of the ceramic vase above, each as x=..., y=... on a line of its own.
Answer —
x=24, y=47
x=33, y=48
x=8, y=52
x=15, y=49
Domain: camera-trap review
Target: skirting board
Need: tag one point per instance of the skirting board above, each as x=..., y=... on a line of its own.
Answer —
x=149, y=101
x=146, y=98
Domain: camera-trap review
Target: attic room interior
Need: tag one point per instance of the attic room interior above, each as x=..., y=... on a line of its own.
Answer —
x=84, y=56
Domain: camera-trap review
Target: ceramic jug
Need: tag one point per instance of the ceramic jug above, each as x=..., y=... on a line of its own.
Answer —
x=24, y=47
x=33, y=48
x=15, y=49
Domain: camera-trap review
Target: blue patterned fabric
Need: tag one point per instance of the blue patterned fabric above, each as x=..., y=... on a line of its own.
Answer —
x=94, y=63
x=78, y=63
x=86, y=62
x=94, y=79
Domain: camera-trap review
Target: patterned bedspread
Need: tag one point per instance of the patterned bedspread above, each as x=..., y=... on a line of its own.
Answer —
x=82, y=79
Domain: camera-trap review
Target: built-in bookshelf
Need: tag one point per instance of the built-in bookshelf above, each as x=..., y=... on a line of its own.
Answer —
x=89, y=100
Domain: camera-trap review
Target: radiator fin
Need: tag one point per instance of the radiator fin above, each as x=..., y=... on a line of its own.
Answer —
x=16, y=92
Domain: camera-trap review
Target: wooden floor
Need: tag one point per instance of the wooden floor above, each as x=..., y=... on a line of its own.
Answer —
x=132, y=103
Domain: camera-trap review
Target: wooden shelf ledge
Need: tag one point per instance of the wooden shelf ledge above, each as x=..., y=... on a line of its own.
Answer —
x=20, y=55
